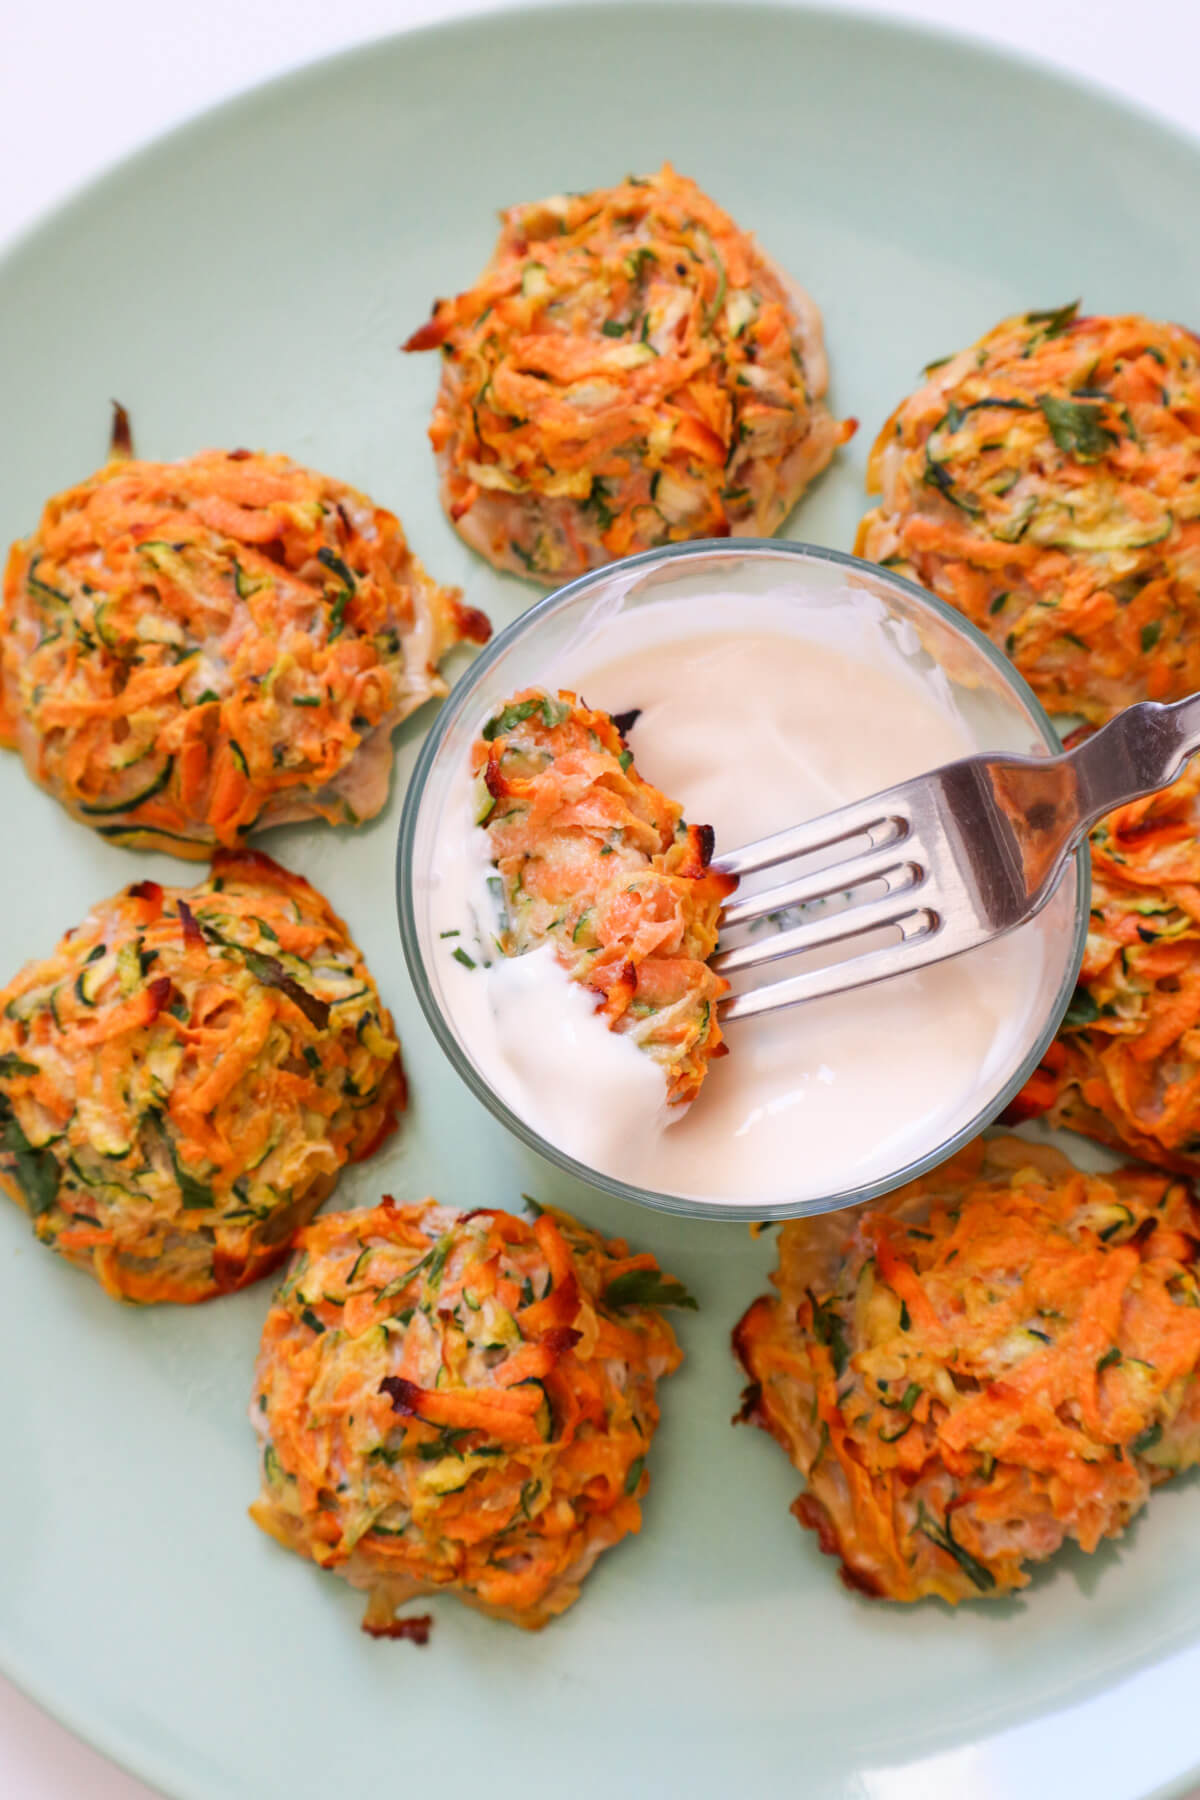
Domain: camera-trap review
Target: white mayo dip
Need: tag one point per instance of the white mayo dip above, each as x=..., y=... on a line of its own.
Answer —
x=752, y=729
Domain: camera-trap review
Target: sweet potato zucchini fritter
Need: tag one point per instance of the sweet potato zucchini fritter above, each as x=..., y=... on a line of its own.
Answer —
x=193, y=649
x=1046, y=482
x=600, y=864
x=1125, y=1066
x=997, y=1359
x=629, y=370
x=460, y=1402
x=183, y=1079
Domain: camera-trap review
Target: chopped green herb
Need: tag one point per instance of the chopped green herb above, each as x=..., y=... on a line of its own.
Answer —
x=1082, y=1010
x=1055, y=319
x=634, y=1476
x=495, y=887
x=337, y=613
x=597, y=501
x=1150, y=635
x=460, y=956
x=647, y=1287
x=552, y=714
x=195, y=1196
x=828, y=1330
x=1077, y=428
x=943, y=1537
x=36, y=1170
x=271, y=972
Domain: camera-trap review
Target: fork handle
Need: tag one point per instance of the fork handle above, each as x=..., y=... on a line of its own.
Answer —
x=1140, y=751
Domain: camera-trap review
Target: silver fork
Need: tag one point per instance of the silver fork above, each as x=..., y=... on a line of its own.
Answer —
x=948, y=860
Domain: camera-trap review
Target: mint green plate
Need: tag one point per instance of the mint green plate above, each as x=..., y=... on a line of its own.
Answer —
x=247, y=281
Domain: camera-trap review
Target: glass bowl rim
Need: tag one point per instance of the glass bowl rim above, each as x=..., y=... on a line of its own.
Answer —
x=460, y=697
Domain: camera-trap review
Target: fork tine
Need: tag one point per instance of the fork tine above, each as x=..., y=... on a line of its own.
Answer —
x=898, y=909
x=880, y=819
x=835, y=878
x=921, y=943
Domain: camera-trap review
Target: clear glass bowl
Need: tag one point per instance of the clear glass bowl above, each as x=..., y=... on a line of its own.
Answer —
x=999, y=705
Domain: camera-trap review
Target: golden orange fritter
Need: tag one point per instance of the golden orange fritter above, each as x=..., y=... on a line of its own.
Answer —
x=1046, y=481
x=1125, y=1066
x=601, y=865
x=183, y=1080
x=460, y=1402
x=629, y=370
x=194, y=649
x=997, y=1359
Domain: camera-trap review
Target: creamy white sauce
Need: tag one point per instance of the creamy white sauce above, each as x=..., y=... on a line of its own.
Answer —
x=752, y=729
x=545, y=1027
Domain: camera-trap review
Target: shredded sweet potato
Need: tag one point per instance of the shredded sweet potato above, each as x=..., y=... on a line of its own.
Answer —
x=194, y=649
x=1125, y=1066
x=182, y=1081
x=460, y=1402
x=1046, y=482
x=996, y=1359
x=629, y=370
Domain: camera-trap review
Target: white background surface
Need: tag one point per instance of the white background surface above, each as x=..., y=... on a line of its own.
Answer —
x=83, y=82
